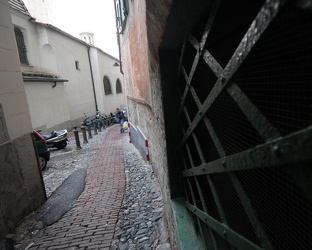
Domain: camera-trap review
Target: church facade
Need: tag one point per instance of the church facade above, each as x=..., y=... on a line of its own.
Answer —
x=64, y=76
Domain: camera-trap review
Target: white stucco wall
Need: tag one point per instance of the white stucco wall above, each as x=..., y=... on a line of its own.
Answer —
x=55, y=52
x=12, y=92
x=103, y=65
x=29, y=32
x=52, y=52
x=49, y=107
x=79, y=89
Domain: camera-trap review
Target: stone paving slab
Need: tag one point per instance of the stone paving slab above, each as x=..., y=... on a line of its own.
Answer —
x=91, y=222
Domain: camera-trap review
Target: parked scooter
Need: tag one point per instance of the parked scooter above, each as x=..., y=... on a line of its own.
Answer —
x=88, y=120
x=56, y=139
x=93, y=120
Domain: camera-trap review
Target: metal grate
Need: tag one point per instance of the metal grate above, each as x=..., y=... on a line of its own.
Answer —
x=22, y=50
x=246, y=115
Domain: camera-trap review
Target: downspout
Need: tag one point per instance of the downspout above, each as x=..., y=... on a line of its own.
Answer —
x=96, y=106
x=118, y=39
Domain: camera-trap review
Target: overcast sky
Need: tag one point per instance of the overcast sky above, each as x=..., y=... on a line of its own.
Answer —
x=76, y=16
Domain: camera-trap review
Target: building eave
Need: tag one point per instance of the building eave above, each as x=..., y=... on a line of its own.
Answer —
x=42, y=79
x=52, y=27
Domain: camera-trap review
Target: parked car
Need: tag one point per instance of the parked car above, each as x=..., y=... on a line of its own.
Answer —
x=42, y=150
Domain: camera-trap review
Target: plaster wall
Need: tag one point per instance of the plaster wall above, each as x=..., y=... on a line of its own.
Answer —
x=79, y=90
x=135, y=54
x=139, y=43
x=50, y=52
x=103, y=65
x=49, y=107
x=32, y=43
x=21, y=186
x=12, y=92
x=55, y=52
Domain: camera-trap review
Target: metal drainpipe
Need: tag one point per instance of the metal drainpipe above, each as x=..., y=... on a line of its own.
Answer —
x=96, y=106
x=118, y=40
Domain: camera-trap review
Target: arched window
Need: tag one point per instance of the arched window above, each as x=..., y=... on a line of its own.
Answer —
x=107, y=86
x=22, y=51
x=118, y=86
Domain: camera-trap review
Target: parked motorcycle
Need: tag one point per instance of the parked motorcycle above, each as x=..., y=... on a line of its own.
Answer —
x=56, y=139
x=94, y=120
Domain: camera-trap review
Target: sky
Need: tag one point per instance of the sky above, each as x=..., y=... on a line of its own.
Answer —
x=76, y=16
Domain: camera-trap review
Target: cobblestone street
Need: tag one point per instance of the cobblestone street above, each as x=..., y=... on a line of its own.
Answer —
x=119, y=208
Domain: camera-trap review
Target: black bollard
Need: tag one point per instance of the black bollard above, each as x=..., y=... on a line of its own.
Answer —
x=104, y=123
x=98, y=122
x=84, y=134
x=95, y=127
x=76, y=138
x=89, y=130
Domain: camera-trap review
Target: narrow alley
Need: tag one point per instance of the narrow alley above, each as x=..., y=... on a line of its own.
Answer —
x=119, y=208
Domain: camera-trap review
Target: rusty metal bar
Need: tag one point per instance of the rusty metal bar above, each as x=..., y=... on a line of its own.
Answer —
x=260, y=122
x=251, y=213
x=224, y=231
x=286, y=150
x=262, y=21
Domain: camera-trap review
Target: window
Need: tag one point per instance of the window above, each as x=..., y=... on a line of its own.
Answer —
x=107, y=86
x=77, y=65
x=121, y=9
x=22, y=51
x=118, y=86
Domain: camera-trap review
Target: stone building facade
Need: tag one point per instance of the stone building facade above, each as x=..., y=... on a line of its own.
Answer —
x=64, y=76
x=222, y=91
x=141, y=26
x=48, y=79
x=21, y=185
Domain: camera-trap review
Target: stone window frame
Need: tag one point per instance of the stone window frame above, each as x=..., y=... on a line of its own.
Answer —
x=21, y=45
x=107, y=86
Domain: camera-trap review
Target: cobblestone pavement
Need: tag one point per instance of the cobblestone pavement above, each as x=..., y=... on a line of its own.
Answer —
x=120, y=207
x=141, y=224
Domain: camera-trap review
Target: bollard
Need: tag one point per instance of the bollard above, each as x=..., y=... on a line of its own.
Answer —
x=98, y=121
x=95, y=128
x=103, y=123
x=84, y=134
x=76, y=138
x=89, y=130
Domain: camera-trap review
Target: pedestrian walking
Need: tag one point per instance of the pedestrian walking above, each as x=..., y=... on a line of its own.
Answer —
x=121, y=118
